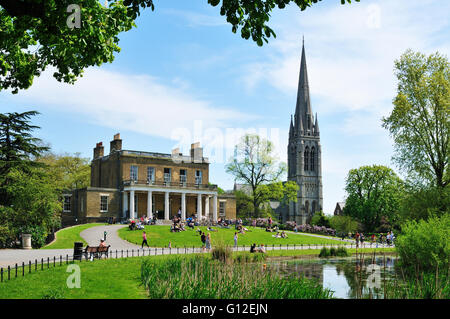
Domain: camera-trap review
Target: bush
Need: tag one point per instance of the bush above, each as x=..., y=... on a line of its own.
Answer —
x=324, y=252
x=38, y=234
x=342, y=252
x=425, y=245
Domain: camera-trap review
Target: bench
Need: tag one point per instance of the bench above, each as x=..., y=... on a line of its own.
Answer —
x=96, y=252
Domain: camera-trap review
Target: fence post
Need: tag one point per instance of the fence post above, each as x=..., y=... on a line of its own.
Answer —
x=16, y=270
x=1, y=272
x=29, y=266
x=67, y=259
x=60, y=260
x=9, y=273
x=23, y=269
x=35, y=265
x=48, y=262
x=127, y=253
x=54, y=261
x=42, y=263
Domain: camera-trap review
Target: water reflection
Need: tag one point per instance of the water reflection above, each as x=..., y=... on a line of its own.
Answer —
x=348, y=278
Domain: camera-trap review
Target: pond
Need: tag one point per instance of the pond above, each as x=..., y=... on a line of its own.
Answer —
x=348, y=278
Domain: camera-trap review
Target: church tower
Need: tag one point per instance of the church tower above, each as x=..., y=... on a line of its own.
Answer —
x=304, y=154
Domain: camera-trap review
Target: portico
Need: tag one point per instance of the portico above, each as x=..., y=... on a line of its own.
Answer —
x=139, y=200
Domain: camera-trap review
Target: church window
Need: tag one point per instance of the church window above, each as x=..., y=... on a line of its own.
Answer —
x=306, y=159
x=313, y=159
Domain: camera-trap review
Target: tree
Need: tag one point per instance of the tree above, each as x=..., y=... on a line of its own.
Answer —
x=319, y=219
x=343, y=224
x=373, y=192
x=255, y=165
x=67, y=171
x=17, y=148
x=420, y=120
x=36, y=34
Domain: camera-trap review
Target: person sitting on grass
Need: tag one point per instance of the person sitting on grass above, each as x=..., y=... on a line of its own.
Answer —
x=262, y=249
x=211, y=229
x=268, y=229
x=277, y=235
x=253, y=248
x=283, y=234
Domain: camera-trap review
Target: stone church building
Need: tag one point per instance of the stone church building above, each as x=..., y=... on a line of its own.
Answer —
x=304, y=155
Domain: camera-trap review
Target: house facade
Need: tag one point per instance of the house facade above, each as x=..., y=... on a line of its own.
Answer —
x=128, y=184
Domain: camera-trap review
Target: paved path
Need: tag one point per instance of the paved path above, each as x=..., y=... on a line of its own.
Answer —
x=9, y=257
x=93, y=235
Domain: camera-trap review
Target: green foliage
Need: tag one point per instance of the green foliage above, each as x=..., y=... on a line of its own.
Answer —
x=222, y=252
x=68, y=172
x=344, y=224
x=334, y=252
x=319, y=219
x=34, y=34
x=255, y=165
x=373, y=192
x=203, y=278
x=17, y=148
x=420, y=120
x=425, y=245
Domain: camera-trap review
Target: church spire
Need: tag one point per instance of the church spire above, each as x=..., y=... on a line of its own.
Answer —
x=291, y=128
x=316, y=126
x=303, y=107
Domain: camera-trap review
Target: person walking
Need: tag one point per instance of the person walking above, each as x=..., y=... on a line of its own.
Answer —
x=235, y=239
x=144, y=240
x=203, y=239
x=208, y=242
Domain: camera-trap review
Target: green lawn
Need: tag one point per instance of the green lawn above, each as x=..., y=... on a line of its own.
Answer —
x=160, y=236
x=67, y=236
x=102, y=279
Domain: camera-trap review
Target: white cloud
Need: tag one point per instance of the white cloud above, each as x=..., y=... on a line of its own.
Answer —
x=138, y=103
x=350, y=49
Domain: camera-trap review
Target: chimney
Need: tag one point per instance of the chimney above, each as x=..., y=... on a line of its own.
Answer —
x=116, y=144
x=196, y=152
x=99, y=150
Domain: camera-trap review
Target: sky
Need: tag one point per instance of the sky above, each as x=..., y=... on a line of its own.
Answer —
x=182, y=77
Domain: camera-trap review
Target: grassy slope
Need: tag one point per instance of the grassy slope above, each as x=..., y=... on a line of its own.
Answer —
x=67, y=236
x=159, y=236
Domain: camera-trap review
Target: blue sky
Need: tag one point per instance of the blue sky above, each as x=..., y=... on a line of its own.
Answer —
x=182, y=76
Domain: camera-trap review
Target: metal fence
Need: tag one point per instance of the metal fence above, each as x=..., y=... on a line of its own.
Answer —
x=24, y=268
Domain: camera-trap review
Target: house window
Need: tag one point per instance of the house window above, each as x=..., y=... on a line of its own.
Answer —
x=104, y=203
x=167, y=175
x=198, y=177
x=67, y=203
x=150, y=175
x=222, y=209
x=183, y=177
x=133, y=173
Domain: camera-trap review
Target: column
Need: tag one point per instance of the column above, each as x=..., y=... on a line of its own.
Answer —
x=149, y=204
x=125, y=204
x=207, y=206
x=183, y=206
x=215, y=207
x=166, y=207
x=199, y=207
x=132, y=212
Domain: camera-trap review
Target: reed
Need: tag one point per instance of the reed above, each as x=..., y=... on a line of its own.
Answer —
x=201, y=277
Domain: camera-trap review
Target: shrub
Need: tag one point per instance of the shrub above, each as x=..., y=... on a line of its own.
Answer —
x=342, y=252
x=425, y=245
x=324, y=252
x=333, y=251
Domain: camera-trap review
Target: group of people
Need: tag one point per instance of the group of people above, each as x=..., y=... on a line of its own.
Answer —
x=261, y=249
x=381, y=238
x=206, y=241
x=280, y=235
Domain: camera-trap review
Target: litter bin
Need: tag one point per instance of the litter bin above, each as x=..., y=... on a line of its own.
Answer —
x=77, y=251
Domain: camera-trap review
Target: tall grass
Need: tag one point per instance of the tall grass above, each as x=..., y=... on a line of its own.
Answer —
x=201, y=277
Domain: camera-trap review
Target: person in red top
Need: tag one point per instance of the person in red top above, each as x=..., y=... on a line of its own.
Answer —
x=144, y=240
